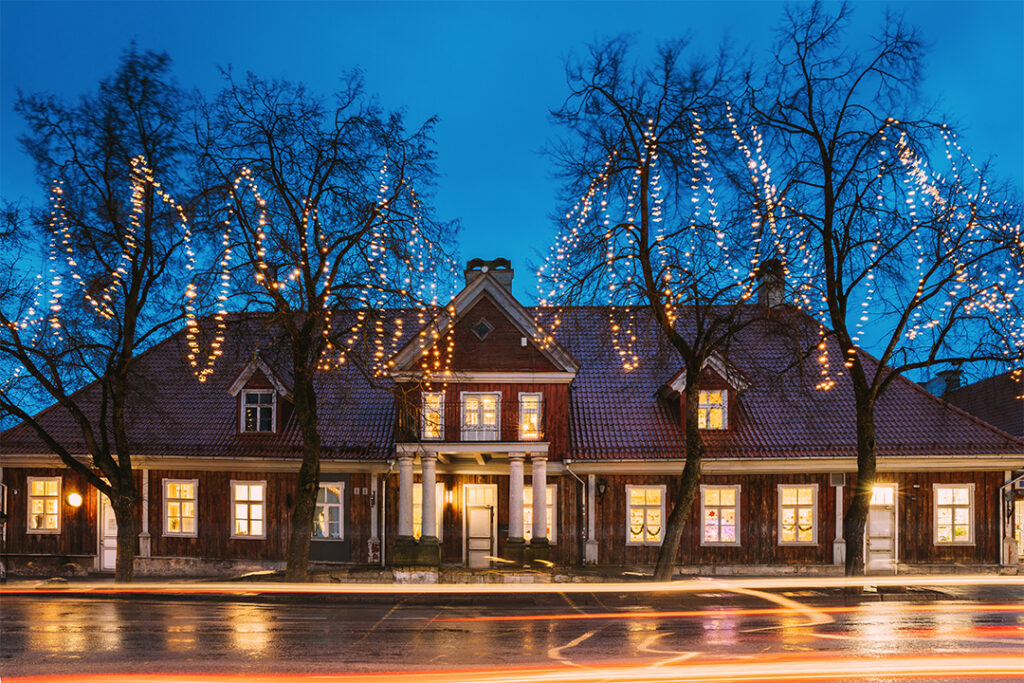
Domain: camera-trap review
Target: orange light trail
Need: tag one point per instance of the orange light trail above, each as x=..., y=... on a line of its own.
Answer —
x=755, y=668
x=760, y=611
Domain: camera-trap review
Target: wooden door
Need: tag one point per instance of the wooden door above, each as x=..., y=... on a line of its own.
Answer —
x=880, y=534
x=108, y=536
x=480, y=501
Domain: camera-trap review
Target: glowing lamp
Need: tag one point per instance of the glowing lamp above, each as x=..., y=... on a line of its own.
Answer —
x=74, y=500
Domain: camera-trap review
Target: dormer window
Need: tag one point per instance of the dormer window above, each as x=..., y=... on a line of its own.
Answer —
x=258, y=408
x=713, y=409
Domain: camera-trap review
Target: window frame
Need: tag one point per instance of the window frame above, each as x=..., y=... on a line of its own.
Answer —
x=423, y=416
x=953, y=506
x=723, y=406
x=522, y=413
x=726, y=544
x=797, y=506
x=341, y=513
x=249, y=503
x=273, y=412
x=466, y=430
x=629, y=507
x=195, y=503
x=30, y=498
x=553, y=507
x=439, y=492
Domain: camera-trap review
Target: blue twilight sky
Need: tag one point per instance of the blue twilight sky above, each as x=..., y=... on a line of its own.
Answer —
x=490, y=70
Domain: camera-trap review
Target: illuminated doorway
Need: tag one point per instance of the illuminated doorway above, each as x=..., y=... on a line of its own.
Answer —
x=880, y=539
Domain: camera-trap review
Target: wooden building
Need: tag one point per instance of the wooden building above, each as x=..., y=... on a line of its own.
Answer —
x=485, y=420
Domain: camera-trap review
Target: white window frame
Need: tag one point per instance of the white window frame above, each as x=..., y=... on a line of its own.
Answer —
x=814, y=513
x=721, y=487
x=195, y=507
x=60, y=506
x=970, y=514
x=440, y=416
x=479, y=432
x=417, y=507
x=552, y=510
x=523, y=413
x=273, y=412
x=707, y=406
x=341, y=511
x=629, y=507
x=262, y=502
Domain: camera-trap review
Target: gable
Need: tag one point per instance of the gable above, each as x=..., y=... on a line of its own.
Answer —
x=504, y=349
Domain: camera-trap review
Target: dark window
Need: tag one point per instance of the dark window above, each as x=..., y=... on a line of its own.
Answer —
x=259, y=411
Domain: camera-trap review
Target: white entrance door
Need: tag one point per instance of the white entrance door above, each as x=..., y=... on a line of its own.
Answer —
x=108, y=536
x=480, y=503
x=880, y=536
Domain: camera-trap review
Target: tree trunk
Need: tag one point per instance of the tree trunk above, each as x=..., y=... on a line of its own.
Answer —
x=856, y=517
x=297, y=560
x=688, y=484
x=125, y=506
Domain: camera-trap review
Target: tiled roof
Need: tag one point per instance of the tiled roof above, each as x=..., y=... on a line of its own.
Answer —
x=994, y=400
x=614, y=414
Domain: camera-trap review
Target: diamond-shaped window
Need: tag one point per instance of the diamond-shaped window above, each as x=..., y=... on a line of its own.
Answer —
x=482, y=329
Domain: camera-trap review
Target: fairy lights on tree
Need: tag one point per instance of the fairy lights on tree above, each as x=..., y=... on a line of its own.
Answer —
x=899, y=246
x=648, y=236
x=331, y=232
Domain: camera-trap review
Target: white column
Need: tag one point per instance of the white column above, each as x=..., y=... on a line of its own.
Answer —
x=540, y=501
x=515, y=495
x=590, y=551
x=839, y=546
x=429, y=463
x=145, y=541
x=405, y=495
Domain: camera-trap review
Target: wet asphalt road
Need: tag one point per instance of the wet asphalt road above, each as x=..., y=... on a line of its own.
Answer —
x=68, y=635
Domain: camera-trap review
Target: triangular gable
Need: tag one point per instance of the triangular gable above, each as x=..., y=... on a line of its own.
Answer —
x=249, y=370
x=483, y=286
x=721, y=366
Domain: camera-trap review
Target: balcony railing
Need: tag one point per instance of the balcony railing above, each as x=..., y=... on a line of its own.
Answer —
x=471, y=421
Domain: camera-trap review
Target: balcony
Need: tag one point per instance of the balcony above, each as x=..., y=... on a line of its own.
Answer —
x=476, y=418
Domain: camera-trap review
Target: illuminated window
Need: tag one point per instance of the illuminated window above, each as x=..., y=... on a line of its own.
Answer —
x=1018, y=526
x=954, y=514
x=720, y=512
x=798, y=514
x=248, y=505
x=417, y=508
x=712, y=410
x=180, y=507
x=44, y=505
x=258, y=411
x=529, y=416
x=528, y=513
x=328, y=520
x=645, y=514
x=883, y=494
x=480, y=417
x=433, y=416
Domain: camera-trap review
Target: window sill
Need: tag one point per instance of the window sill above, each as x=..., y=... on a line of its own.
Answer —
x=248, y=538
x=705, y=544
x=322, y=539
x=168, y=534
x=799, y=544
x=43, y=532
x=955, y=544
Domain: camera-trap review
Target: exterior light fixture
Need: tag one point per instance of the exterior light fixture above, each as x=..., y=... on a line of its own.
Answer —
x=448, y=496
x=602, y=486
x=74, y=500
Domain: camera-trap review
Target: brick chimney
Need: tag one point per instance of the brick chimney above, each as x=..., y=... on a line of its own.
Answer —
x=771, y=283
x=500, y=268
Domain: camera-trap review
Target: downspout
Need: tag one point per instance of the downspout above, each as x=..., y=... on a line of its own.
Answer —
x=582, y=536
x=382, y=499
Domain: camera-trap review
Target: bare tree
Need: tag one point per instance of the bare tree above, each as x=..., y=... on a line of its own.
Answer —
x=893, y=255
x=329, y=199
x=648, y=234
x=113, y=278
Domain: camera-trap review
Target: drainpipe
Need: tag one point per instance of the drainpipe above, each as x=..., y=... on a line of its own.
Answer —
x=582, y=536
x=382, y=501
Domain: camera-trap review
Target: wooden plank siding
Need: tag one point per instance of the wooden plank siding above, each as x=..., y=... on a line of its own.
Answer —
x=757, y=521
x=78, y=527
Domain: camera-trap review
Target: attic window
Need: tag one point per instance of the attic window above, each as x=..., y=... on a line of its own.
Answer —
x=712, y=410
x=258, y=411
x=482, y=329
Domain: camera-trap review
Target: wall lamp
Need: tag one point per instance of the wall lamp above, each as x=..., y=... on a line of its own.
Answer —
x=74, y=500
x=602, y=486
